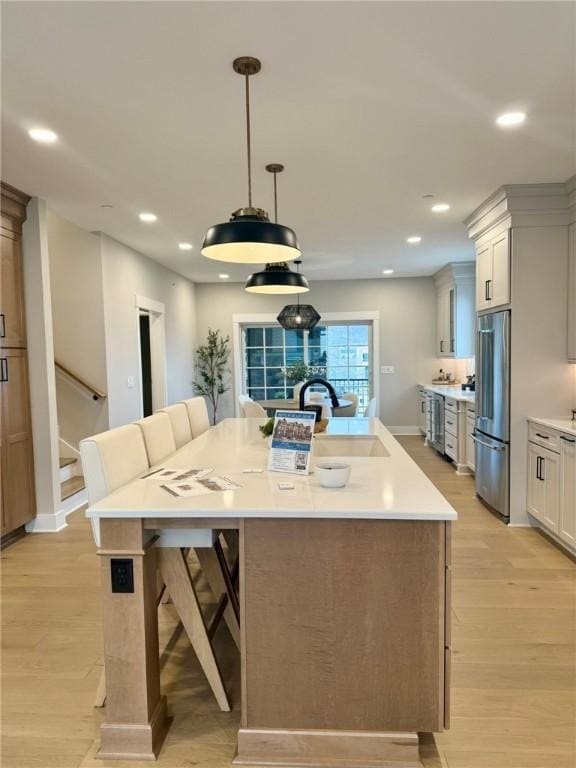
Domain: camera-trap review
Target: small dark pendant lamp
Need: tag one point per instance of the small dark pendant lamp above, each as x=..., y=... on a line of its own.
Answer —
x=276, y=278
x=250, y=237
x=299, y=317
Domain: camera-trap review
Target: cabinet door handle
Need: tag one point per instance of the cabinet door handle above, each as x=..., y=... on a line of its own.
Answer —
x=3, y=369
x=538, y=467
x=567, y=439
x=2, y=326
x=452, y=344
x=442, y=346
x=486, y=292
x=544, y=437
x=423, y=406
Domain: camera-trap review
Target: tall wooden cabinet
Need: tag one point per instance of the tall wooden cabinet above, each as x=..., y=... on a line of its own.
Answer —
x=18, y=503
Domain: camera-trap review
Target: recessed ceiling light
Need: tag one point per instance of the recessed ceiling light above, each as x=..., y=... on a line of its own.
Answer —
x=440, y=207
x=387, y=271
x=223, y=276
x=149, y=217
x=413, y=239
x=43, y=135
x=185, y=246
x=509, y=119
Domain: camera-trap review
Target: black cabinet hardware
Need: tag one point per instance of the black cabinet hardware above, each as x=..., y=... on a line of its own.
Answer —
x=423, y=407
x=442, y=346
x=540, y=468
x=567, y=439
x=2, y=326
x=544, y=437
x=3, y=369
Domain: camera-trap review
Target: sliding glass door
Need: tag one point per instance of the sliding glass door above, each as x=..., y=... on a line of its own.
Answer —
x=339, y=352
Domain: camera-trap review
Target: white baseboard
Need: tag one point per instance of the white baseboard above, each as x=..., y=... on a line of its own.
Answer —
x=57, y=522
x=47, y=523
x=404, y=430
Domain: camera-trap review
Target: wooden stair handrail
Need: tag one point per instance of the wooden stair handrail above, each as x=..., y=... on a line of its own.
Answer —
x=96, y=393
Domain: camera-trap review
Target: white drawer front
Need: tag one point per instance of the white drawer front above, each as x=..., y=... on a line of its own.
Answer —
x=451, y=423
x=544, y=436
x=450, y=404
x=471, y=408
x=451, y=446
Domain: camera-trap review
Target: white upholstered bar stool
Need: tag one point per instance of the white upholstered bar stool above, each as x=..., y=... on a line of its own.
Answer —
x=158, y=437
x=114, y=458
x=180, y=422
x=198, y=415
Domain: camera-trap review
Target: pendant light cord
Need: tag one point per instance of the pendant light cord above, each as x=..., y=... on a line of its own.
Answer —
x=248, y=142
x=275, y=197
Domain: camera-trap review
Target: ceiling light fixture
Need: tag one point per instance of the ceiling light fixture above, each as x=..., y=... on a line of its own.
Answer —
x=276, y=278
x=147, y=217
x=185, y=246
x=298, y=317
x=223, y=276
x=510, y=119
x=250, y=237
x=387, y=271
x=440, y=207
x=43, y=135
x=413, y=239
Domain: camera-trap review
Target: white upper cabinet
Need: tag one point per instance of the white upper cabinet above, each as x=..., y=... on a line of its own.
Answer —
x=455, y=316
x=493, y=272
x=572, y=296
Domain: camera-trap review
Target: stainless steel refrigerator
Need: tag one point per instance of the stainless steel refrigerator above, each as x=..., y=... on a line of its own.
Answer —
x=492, y=434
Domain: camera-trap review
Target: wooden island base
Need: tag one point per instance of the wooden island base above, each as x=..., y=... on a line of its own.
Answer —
x=318, y=749
x=344, y=635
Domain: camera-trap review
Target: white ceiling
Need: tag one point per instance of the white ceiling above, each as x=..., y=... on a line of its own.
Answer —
x=369, y=105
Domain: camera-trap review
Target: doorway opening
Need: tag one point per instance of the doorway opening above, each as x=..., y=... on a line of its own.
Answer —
x=152, y=348
x=145, y=364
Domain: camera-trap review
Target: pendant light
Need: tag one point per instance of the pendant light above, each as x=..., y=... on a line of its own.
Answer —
x=276, y=278
x=299, y=317
x=250, y=237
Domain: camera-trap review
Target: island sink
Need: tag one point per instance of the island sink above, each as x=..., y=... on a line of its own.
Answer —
x=367, y=446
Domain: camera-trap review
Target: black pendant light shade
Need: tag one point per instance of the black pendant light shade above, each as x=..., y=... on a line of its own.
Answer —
x=250, y=238
x=300, y=317
x=277, y=278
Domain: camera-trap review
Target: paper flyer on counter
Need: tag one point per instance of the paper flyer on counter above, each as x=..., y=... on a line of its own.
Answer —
x=292, y=442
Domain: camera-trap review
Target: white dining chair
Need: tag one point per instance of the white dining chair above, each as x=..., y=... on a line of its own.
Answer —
x=371, y=408
x=198, y=415
x=348, y=411
x=252, y=410
x=180, y=422
x=158, y=437
x=114, y=458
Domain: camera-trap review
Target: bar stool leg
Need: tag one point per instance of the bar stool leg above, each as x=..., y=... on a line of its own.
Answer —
x=176, y=576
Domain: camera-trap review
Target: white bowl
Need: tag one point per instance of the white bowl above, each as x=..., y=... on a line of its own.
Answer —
x=332, y=474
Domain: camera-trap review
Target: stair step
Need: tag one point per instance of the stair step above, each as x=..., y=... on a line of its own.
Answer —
x=65, y=462
x=70, y=487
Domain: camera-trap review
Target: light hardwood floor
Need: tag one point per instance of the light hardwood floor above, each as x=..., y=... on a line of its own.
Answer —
x=514, y=652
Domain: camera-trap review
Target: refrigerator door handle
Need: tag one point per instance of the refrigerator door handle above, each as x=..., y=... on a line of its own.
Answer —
x=487, y=445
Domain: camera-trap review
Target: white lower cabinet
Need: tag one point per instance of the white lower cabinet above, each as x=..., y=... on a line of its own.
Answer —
x=552, y=482
x=470, y=445
x=567, y=522
x=422, y=410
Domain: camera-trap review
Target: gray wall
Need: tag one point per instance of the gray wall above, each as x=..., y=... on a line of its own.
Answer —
x=407, y=309
x=127, y=273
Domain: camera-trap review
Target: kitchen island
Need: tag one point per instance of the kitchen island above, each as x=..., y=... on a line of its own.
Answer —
x=344, y=600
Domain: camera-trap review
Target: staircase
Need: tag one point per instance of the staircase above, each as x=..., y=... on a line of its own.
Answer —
x=72, y=486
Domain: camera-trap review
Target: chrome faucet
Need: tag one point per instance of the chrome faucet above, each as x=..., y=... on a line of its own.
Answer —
x=326, y=384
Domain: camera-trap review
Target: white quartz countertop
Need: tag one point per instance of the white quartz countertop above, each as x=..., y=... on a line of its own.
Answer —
x=562, y=425
x=384, y=487
x=454, y=391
